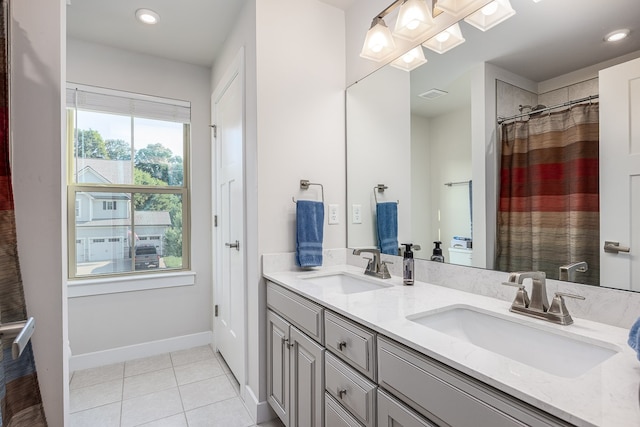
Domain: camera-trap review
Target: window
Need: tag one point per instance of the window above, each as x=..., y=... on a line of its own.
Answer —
x=108, y=206
x=128, y=164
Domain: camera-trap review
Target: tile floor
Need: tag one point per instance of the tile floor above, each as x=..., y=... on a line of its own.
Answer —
x=189, y=388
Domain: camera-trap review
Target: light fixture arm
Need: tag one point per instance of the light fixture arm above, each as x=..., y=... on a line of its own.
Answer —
x=388, y=10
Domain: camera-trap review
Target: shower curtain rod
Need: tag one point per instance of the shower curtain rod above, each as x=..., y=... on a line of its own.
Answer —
x=566, y=104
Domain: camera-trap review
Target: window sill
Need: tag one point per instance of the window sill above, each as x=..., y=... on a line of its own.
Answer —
x=114, y=285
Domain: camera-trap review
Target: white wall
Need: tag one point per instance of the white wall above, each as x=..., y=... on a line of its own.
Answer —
x=420, y=186
x=450, y=141
x=37, y=80
x=300, y=60
x=294, y=130
x=379, y=135
x=104, y=322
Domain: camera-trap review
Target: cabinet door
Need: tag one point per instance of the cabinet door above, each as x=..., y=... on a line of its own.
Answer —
x=307, y=381
x=392, y=413
x=278, y=365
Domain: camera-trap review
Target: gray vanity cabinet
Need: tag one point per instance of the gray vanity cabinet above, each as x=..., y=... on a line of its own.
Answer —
x=393, y=413
x=448, y=397
x=295, y=374
x=337, y=416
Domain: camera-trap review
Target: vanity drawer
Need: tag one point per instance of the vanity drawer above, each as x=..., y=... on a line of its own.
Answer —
x=351, y=389
x=335, y=415
x=303, y=313
x=350, y=342
x=449, y=397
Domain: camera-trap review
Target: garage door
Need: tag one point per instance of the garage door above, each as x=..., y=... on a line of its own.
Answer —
x=80, y=247
x=106, y=248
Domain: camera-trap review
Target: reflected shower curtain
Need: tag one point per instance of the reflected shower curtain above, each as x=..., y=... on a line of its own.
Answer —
x=548, y=213
x=20, y=400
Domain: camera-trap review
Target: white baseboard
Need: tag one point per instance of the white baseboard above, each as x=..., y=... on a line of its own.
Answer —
x=137, y=351
x=259, y=411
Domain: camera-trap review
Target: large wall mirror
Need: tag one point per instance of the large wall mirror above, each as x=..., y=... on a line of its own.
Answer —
x=429, y=139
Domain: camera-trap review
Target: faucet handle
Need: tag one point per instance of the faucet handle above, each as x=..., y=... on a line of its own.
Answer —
x=522, y=298
x=559, y=309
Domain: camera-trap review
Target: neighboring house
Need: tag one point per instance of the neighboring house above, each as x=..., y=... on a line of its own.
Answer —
x=103, y=220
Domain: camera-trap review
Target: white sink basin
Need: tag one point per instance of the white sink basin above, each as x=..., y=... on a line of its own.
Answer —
x=542, y=349
x=345, y=283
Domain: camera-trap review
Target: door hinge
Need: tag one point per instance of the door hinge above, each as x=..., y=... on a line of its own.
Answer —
x=215, y=220
x=215, y=130
x=215, y=310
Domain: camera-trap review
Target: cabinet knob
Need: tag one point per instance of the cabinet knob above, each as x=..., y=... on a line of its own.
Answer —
x=341, y=392
x=286, y=342
x=341, y=345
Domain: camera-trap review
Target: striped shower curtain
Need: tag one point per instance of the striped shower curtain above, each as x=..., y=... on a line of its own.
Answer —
x=548, y=213
x=20, y=400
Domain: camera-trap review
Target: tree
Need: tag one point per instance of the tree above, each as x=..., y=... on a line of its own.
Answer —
x=171, y=203
x=90, y=145
x=154, y=159
x=118, y=149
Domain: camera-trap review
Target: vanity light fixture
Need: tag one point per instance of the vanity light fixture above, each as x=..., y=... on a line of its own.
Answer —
x=491, y=15
x=414, y=20
x=446, y=40
x=453, y=7
x=410, y=60
x=616, y=35
x=378, y=44
x=147, y=16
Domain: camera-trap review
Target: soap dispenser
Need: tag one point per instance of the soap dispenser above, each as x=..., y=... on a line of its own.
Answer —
x=437, y=253
x=408, y=265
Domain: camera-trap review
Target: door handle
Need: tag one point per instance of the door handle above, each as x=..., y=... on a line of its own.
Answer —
x=233, y=245
x=614, y=247
x=22, y=332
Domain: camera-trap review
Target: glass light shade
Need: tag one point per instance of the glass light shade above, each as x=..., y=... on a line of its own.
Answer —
x=446, y=40
x=453, y=7
x=410, y=60
x=414, y=20
x=378, y=44
x=491, y=15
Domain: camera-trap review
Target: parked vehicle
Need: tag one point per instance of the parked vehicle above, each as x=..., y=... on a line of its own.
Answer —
x=146, y=256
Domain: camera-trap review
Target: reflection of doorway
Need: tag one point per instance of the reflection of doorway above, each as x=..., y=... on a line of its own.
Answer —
x=620, y=173
x=230, y=284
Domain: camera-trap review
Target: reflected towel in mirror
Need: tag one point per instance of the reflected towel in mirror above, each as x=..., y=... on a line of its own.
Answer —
x=309, y=233
x=634, y=337
x=387, y=226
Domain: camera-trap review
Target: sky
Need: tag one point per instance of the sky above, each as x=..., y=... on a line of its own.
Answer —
x=147, y=131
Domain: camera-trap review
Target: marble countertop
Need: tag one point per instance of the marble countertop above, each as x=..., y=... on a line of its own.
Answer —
x=606, y=395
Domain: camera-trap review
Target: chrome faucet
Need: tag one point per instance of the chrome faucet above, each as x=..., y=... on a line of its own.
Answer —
x=538, y=305
x=568, y=272
x=376, y=267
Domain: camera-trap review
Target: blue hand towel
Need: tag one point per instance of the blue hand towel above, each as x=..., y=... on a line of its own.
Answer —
x=634, y=337
x=309, y=229
x=387, y=225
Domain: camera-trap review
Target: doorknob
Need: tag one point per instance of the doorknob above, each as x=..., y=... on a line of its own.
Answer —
x=233, y=245
x=22, y=332
x=614, y=247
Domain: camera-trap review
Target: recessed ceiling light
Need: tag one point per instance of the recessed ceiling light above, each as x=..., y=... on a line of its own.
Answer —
x=616, y=35
x=147, y=16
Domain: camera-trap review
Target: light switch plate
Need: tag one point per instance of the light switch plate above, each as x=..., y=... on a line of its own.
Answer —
x=334, y=218
x=356, y=214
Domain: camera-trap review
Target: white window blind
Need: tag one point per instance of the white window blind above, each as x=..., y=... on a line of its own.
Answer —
x=149, y=107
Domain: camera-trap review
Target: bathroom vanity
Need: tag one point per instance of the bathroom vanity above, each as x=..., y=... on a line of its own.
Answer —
x=345, y=349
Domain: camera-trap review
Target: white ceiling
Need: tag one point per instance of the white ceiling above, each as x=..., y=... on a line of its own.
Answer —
x=190, y=31
x=541, y=41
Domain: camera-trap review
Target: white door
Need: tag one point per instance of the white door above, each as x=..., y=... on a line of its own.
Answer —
x=620, y=174
x=228, y=119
